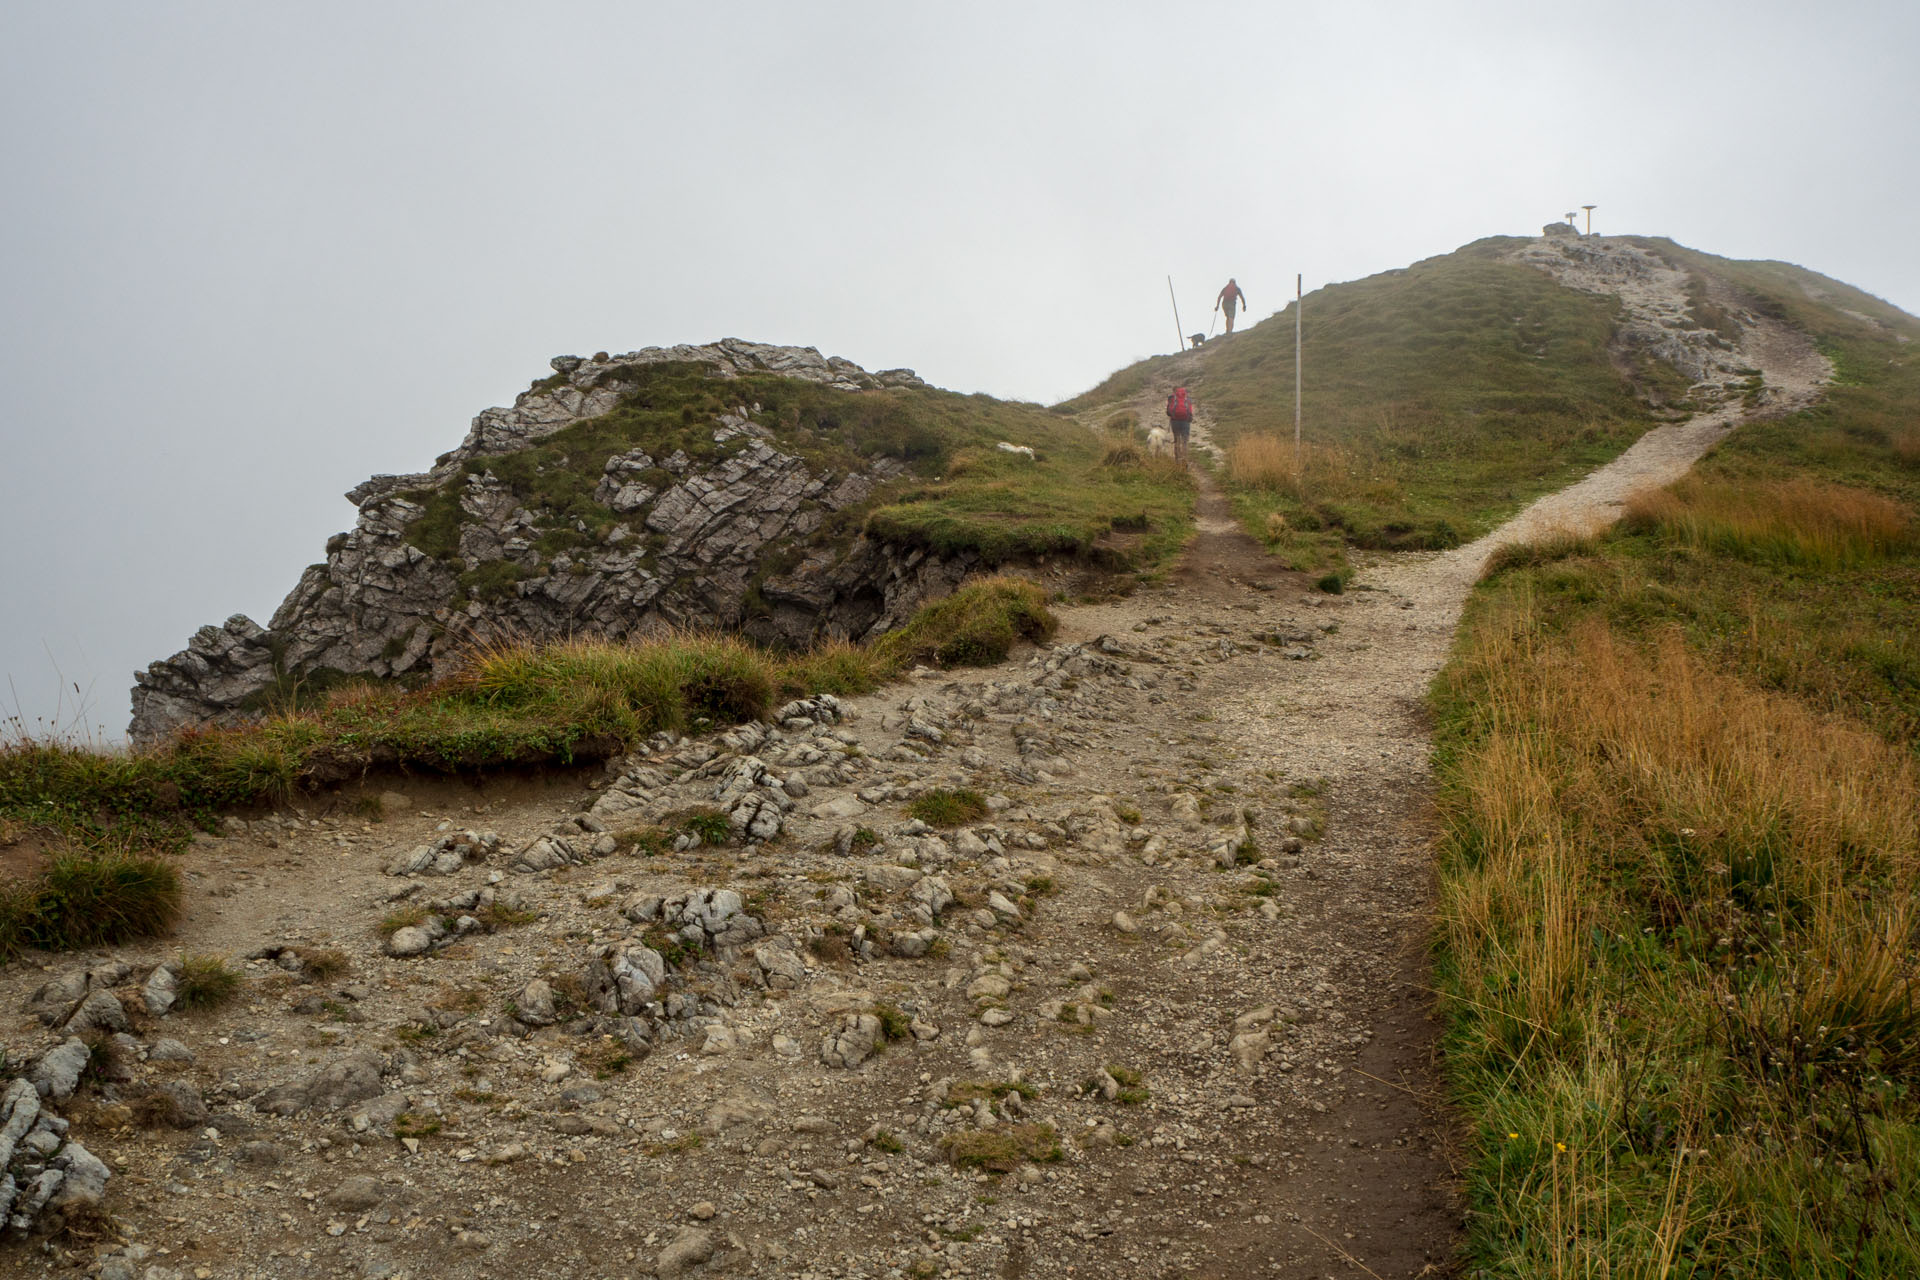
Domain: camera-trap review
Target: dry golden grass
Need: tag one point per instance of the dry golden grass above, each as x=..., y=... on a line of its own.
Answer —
x=1270, y=462
x=1673, y=904
x=1906, y=445
x=1796, y=521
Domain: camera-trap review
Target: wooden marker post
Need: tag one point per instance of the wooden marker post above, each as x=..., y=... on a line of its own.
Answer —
x=1299, y=469
x=1179, y=334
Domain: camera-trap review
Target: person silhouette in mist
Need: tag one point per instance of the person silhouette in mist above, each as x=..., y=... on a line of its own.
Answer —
x=1229, y=300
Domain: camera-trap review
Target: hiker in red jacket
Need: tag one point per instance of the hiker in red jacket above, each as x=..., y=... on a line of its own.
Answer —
x=1230, y=298
x=1180, y=417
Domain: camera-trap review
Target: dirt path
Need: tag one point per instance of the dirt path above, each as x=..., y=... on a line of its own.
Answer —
x=1160, y=1011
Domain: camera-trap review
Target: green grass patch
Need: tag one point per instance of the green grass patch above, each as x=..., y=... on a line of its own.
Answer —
x=976, y=626
x=1115, y=507
x=1003, y=1149
x=942, y=807
x=894, y=1024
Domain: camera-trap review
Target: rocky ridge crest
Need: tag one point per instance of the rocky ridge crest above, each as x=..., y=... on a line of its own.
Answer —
x=688, y=537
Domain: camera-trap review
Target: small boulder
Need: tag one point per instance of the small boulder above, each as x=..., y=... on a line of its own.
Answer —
x=853, y=1043
x=57, y=1073
x=534, y=1004
x=410, y=940
x=169, y=1050
x=100, y=1011
x=688, y=1250
x=160, y=991
x=356, y=1195
x=52, y=1002
x=86, y=1182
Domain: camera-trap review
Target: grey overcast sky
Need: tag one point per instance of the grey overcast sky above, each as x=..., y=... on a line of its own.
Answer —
x=251, y=253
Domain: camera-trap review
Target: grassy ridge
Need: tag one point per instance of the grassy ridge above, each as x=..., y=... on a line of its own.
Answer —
x=108, y=814
x=1439, y=398
x=1680, y=879
x=964, y=494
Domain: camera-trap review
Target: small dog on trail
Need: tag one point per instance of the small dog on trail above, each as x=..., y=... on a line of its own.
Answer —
x=1160, y=443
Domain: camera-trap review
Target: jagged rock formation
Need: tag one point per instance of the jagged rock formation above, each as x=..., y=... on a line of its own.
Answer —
x=670, y=534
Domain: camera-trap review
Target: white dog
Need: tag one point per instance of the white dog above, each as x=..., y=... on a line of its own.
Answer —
x=1160, y=443
x=1024, y=450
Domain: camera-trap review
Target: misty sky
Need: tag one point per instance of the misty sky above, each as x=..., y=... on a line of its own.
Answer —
x=251, y=253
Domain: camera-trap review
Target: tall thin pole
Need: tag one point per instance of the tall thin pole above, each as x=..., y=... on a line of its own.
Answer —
x=1179, y=334
x=1300, y=475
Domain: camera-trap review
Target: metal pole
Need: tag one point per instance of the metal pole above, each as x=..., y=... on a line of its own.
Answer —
x=1299, y=474
x=1179, y=334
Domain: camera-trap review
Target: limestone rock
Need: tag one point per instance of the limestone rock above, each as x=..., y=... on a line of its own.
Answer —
x=687, y=540
x=354, y=1078
x=853, y=1042
x=689, y=1249
x=100, y=1011
x=86, y=1182
x=58, y=1072
x=160, y=991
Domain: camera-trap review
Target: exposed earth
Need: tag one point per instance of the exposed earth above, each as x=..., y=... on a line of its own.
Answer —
x=1160, y=1010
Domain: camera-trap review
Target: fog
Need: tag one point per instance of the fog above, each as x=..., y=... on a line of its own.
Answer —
x=251, y=254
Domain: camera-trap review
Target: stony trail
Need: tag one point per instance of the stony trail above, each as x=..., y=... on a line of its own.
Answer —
x=1157, y=1009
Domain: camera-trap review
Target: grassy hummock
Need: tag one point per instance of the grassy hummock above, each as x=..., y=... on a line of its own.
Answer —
x=111, y=816
x=1680, y=879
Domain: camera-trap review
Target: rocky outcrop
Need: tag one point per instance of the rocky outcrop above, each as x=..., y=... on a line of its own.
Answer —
x=679, y=536
x=1656, y=314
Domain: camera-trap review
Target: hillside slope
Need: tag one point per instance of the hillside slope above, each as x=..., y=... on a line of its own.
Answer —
x=1440, y=398
x=731, y=486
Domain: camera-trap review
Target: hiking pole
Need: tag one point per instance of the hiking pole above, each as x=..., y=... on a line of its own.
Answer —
x=1179, y=334
x=1216, y=319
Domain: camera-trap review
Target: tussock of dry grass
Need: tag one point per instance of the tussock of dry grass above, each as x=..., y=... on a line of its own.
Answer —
x=1797, y=521
x=1268, y=462
x=1906, y=445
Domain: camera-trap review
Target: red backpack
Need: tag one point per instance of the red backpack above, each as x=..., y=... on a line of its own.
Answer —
x=1179, y=406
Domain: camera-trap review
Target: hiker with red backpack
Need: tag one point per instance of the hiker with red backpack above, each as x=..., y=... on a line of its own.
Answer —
x=1180, y=418
x=1230, y=298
